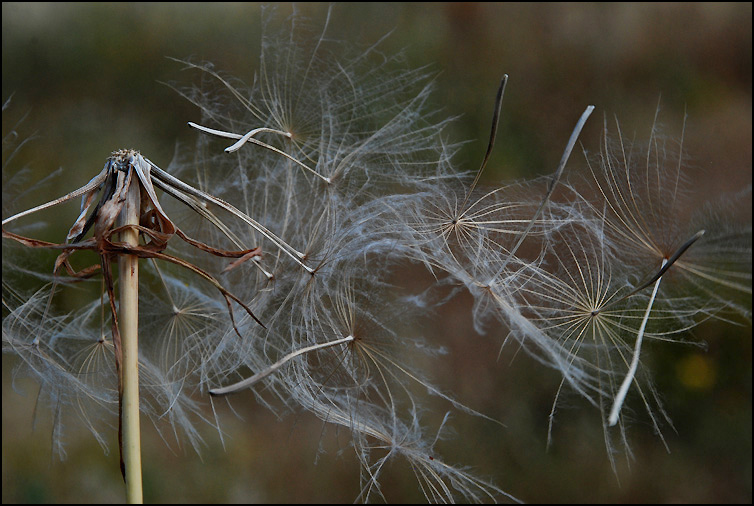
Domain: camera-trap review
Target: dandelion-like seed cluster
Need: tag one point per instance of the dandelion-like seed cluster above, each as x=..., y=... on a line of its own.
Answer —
x=341, y=172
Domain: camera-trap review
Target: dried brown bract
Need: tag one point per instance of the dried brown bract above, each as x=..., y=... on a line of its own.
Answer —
x=155, y=227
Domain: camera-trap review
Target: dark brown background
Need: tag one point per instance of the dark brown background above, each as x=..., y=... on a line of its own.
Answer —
x=88, y=77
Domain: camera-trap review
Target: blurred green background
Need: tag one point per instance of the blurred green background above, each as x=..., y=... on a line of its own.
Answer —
x=88, y=75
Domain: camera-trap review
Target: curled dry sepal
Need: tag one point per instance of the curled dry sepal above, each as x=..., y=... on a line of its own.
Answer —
x=123, y=168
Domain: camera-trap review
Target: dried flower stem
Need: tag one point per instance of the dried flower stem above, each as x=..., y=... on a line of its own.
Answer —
x=129, y=333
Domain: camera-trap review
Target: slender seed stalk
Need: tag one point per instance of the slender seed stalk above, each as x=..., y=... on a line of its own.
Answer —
x=263, y=374
x=491, y=143
x=621, y=396
x=129, y=331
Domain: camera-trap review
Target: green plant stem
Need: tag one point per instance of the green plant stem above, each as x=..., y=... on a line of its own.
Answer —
x=129, y=331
